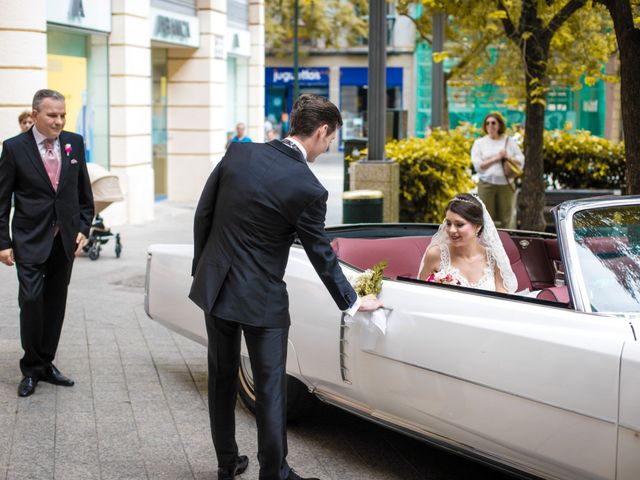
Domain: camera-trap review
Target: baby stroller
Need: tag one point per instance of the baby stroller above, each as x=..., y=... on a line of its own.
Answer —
x=105, y=187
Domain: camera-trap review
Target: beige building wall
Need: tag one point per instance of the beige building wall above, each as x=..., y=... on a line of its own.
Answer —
x=23, y=59
x=195, y=112
x=256, y=70
x=130, y=110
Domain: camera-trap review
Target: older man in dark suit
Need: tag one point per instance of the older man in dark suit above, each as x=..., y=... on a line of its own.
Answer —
x=44, y=170
x=258, y=198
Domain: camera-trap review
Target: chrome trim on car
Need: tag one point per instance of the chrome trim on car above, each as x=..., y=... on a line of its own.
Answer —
x=344, y=370
x=489, y=387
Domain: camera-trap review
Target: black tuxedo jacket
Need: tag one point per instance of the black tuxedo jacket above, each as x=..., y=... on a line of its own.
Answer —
x=38, y=207
x=255, y=201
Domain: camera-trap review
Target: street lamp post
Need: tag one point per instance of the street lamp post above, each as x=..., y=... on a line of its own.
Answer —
x=376, y=95
x=437, y=72
x=296, y=81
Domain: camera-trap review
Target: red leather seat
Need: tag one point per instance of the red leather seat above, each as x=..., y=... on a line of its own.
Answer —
x=516, y=261
x=555, y=294
x=403, y=254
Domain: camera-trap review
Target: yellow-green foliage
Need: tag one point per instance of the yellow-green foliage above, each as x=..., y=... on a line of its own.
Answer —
x=582, y=160
x=432, y=171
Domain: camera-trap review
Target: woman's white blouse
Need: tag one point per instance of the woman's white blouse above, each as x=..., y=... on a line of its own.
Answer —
x=486, y=147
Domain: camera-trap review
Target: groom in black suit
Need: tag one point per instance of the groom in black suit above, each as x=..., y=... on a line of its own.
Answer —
x=258, y=198
x=44, y=170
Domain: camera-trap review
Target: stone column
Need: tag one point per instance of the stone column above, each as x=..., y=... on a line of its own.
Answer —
x=256, y=70
x=130, y=110
x=196, y=105
x=379, y=175
x=23, y=59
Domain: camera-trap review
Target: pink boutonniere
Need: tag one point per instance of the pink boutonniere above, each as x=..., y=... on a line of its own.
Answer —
x=68, y=149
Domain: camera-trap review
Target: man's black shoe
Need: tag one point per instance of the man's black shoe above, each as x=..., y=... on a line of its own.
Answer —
x=229, y=473
x=294, y=476
x=27, y=386
x=54, y=376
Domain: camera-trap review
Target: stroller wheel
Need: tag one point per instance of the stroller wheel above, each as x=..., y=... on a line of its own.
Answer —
x=94, y=252
x=118, y=246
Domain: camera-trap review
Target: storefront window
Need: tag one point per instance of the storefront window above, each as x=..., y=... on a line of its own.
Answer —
x=159, y=120
x=353, y=98
x=78, y=67
x=237, y=93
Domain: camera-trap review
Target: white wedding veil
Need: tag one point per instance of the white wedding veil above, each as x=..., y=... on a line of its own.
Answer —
x=489, y=239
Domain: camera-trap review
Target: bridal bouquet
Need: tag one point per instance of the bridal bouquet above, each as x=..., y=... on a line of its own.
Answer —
x=441, y=277
x=369, y=281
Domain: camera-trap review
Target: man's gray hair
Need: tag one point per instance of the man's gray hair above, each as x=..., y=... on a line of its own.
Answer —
x=45, y=93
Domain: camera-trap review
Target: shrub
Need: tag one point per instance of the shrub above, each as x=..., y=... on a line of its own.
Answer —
x=432, y=171
x=582, y=160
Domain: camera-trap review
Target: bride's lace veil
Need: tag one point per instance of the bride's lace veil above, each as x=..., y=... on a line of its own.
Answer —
x=489, y=239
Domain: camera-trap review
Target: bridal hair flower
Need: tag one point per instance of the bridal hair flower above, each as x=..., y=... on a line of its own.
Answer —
x=68, y=149
x=370, y=281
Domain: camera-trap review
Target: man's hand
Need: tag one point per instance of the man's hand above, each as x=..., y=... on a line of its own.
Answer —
x=80, y=241
x=369, y=303
x=6, y=257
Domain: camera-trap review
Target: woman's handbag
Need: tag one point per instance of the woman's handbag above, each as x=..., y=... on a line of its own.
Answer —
x=512, y=171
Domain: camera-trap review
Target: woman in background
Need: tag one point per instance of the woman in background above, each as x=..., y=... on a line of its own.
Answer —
x=490, y=156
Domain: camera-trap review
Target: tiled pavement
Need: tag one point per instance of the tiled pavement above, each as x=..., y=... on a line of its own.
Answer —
x=138, y=409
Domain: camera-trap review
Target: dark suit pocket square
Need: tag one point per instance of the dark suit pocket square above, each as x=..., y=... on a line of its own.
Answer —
x=73, y=161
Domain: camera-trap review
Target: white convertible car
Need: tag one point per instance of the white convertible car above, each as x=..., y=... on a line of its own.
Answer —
x=542, y=384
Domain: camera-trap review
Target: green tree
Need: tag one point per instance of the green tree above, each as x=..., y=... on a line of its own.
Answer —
x=626, y=18
x=331, y=23
x=525, y=47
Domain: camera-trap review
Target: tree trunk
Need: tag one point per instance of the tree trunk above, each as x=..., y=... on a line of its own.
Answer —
x=445, y=106
x=531, y=196
x=629, y=88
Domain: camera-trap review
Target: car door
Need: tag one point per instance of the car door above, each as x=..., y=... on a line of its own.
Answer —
x=629, y=422
x=530, y=384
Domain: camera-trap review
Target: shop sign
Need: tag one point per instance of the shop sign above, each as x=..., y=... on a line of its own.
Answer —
x=174, y=28
x=87, y=14
x=306, y=76
x=238, y=42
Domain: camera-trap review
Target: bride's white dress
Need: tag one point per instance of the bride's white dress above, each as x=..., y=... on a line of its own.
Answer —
x=486, y=282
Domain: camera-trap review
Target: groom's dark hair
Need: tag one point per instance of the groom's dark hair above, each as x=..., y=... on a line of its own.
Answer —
x=469, y=208
x=311, y=112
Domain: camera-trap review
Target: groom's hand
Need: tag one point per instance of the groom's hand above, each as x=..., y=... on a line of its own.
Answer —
x=369, y=303
x=6, y=257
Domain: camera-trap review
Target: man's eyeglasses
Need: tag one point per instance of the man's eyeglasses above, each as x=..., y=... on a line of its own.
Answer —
x=491, y=122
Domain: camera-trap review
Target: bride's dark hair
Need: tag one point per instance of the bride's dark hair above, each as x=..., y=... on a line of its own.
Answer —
x=468, y=207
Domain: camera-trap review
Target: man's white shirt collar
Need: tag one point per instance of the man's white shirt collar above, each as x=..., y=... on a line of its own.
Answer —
x=40, y=138
x=299, y=145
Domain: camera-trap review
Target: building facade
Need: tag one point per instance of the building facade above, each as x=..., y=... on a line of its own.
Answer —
x=154, y=86
x=342, y=76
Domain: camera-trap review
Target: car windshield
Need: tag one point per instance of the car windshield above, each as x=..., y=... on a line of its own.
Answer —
x=608, y=245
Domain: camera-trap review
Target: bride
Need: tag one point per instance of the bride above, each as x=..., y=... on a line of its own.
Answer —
x=467, y=247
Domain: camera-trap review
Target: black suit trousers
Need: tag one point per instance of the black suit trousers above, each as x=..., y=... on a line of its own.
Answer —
x=268, y=354
x=42, y=298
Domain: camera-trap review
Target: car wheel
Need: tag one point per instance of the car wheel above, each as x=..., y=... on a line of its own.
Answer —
x=299, y=401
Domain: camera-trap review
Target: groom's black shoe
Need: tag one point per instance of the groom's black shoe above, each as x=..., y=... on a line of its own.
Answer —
x=53, y=375
x=229, y=472
x=27, y=386
x=294, y=476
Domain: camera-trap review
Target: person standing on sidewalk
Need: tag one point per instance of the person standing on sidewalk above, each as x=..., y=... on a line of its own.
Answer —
x=258, y=198
x=44, y=168
x=489, y=156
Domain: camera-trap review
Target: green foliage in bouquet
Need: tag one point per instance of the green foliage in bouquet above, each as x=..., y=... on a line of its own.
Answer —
x=582, y=160
x=370, y=281
x=432, y=171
